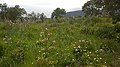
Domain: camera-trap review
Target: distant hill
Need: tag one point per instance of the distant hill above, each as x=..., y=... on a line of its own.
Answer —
x=75, y=13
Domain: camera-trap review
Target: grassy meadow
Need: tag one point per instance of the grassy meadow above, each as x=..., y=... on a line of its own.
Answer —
x=76, y=42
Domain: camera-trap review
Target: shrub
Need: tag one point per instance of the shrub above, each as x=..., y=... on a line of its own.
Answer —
x=17, y=55
x=1, y=51
x=117, y=27
x=104, y=30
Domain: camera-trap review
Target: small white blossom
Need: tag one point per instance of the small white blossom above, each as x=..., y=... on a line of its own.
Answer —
x=78, y=46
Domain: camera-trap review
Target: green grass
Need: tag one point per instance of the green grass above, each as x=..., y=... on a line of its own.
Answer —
x=50, y=45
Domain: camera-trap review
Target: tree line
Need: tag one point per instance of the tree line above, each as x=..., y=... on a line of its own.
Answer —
x=100, y=8
x=16, y=13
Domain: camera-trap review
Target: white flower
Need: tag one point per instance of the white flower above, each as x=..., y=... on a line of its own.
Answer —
x=119, y=58
x=94, y=58
x=90, y=52
x=4, y=38
x=100, y=58
x=42, y=32
x=37, y=41
x=117, y=36
x=76, y=49
x=44, y=53
x=6, y=42
x=78, y=46
x=54, y=41
x=32, y=62
x=83, y=40
x=46, y=28
x=97, y=60
x=80, y=41
x=73, y=59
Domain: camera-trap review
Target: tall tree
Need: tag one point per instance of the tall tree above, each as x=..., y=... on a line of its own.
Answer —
x=3, y=11
x=42, y=17
x=58, y=13
x=15, y=12
x=103, y=7
x=93, y=8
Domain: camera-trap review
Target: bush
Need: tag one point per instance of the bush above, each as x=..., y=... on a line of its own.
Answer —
x=1, y=51
x=87, y=55
x=117, y=27
x=104, y=30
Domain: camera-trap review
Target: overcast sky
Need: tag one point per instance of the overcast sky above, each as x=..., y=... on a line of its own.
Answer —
x=46, y=6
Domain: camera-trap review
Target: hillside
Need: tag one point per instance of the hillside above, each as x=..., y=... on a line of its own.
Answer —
x=75, y=13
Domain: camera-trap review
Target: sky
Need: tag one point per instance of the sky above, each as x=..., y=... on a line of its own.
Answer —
x=46, y=6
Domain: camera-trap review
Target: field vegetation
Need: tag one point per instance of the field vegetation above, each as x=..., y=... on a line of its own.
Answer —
x=83, y=42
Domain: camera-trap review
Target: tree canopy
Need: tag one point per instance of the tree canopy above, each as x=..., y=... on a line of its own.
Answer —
x=103, y=7
x=58, y=13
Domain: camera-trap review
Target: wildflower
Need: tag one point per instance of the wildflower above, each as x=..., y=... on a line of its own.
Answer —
x=39, y=51
x=76, y=49
x=37, y=41
x=49, y=34
x=90, y=52
x=54, y=41
x=66, y=65
x=117, y=36
x=94, y=58
x=6, y=42
x=4, y=38
x=80, y=41
x=46, y=28
x=100, y=58
x=97, y=60
x=42, y=32
x=87, y=41
x=119, y=58
x=84, y=50
x=43, y=49
x=91, y=63
x=73, y=59
x=75, y=42
x=10, y=42
x=38, y=58
x=78, y=46
x=46, y=38
x=83, y=40
x=32, y=62
x=40, y=35
x=44, y=53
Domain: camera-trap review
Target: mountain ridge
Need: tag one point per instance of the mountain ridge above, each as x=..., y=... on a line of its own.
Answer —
x=75, y=13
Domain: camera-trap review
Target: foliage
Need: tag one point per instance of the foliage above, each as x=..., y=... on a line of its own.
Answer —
x=58, y=13
x=103, y=8
x=14, y=13
x=60, y=44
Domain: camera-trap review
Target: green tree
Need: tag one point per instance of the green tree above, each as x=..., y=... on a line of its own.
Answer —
x=3, y=11
x=93, y=8
x=15, y=12
x=58, y=13
x=42, y=17
x=109, y=8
